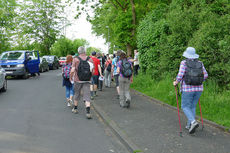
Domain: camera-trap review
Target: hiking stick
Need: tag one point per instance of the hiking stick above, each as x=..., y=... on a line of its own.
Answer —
x=201, y=115
x=178, y=110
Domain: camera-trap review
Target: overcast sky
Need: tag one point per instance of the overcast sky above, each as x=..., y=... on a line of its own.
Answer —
x=81, y=28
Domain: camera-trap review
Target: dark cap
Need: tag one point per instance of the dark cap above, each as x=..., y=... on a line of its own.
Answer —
x=93, y=53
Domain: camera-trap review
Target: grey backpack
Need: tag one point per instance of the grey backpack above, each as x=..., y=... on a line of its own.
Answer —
x=126, y=69
x=194, y=72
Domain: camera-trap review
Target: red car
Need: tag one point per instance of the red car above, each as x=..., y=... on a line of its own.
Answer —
x=62, y=60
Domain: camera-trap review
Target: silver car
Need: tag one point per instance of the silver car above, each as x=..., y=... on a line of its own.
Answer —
x=3, y=81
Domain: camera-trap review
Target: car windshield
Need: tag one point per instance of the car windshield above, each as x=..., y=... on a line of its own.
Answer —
x=12, y=56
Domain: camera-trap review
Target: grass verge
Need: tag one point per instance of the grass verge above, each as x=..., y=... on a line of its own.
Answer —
x=215, y=105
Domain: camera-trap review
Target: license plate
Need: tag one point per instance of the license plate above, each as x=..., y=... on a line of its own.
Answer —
x=9, y=72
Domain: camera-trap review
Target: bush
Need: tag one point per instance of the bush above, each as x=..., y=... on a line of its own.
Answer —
x=215, y=105
x=167, y=31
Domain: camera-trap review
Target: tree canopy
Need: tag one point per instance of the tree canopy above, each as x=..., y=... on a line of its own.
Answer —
x=7, y=13
x=65, y=46
x=117, y=20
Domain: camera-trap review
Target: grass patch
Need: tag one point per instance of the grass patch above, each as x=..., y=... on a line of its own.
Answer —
x=215, y=105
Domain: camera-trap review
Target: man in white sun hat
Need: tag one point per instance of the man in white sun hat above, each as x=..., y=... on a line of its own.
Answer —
x=191, y=75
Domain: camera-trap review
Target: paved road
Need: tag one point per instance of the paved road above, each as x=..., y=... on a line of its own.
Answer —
x=35, y=119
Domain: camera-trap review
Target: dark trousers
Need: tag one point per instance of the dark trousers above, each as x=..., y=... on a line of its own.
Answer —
x=136, y=68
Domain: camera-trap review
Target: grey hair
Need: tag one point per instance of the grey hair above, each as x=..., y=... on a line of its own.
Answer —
x=119, y=52
x=81, y=50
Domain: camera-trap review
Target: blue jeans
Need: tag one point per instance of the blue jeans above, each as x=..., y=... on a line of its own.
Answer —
x=188, y=103
x=69, y=91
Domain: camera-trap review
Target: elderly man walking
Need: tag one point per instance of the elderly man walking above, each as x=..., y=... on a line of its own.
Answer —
x=82, y=69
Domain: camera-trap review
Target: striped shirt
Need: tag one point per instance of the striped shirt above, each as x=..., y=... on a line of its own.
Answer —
x=180, y=76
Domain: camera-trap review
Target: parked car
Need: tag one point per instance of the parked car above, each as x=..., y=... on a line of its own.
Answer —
x=62, y=61
x=20, y=63
x=52, y=61
x=44, y=65
x=3, y=81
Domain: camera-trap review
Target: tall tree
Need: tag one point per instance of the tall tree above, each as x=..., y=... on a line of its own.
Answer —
x=116, y=20
x=40, y=22
x=7, y=13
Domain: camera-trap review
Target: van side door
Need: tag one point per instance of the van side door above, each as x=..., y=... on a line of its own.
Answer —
x=32, y=61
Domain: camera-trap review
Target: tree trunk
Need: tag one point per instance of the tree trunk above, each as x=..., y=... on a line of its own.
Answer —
x=129, y=49
x=133, y=17
x=134, y=22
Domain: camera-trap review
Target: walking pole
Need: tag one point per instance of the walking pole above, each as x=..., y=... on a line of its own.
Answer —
x=178, y=110
x=201, y=115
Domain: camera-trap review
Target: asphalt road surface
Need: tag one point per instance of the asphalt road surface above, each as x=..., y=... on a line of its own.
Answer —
x=35, y=119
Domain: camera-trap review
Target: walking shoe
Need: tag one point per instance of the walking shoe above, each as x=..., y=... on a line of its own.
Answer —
x=187, y=127
x=91, y=97
x=94, y=95
x=194, y=126
x=71, y=102
x=128, y=103
x=68, y=104
x=74, y=111
x=88, y=116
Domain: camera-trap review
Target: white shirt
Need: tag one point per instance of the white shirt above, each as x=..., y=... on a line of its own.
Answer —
x=136, y=60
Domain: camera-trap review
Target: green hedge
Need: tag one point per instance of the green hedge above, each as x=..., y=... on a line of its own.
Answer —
x=215, y=105
x=168, y=30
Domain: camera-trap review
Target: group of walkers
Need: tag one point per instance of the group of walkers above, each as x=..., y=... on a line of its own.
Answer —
x=84, y=75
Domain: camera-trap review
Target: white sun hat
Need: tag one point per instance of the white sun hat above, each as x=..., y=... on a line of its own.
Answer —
x=190, y=53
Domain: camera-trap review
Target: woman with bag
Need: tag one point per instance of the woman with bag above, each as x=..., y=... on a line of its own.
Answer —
x=125, y=69
x=66, y=80
x=191, y=75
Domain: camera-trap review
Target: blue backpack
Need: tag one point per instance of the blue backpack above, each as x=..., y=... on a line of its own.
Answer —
x=66, y=71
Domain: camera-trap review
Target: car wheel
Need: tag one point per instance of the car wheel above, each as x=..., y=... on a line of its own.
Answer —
x=42, y=70
x=4, y=88
x=26, y=75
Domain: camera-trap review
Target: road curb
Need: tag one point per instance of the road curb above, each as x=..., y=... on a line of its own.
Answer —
x=213, y=124
x=132, y=148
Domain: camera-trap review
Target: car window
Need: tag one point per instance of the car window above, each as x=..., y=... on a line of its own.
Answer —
x=32, y=55
x=35, y=55
x=12, y=56
x=49, y=58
